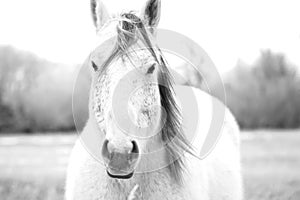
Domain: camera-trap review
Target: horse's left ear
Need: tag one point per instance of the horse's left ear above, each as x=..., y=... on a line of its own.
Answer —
x=151, y=12
x=100, y=14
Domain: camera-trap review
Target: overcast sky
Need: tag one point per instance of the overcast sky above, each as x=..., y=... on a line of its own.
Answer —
x=62, y=30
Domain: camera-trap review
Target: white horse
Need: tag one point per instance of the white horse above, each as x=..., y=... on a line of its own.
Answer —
x=133, y=145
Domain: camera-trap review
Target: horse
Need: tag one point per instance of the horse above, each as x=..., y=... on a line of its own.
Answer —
x=133, y=145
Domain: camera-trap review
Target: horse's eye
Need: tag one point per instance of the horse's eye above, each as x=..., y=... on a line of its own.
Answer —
x=95, y=67
x=151, y=69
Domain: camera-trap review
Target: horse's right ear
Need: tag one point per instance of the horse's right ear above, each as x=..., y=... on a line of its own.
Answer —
x=100, y=14
x=151, y=12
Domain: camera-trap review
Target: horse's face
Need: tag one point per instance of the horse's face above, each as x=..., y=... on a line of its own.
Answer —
x=126, y=106
x=125, y=96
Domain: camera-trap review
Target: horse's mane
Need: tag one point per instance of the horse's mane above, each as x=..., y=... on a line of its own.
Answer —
x=131, y=29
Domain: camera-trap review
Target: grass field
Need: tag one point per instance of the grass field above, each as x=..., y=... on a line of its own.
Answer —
x=33, y=167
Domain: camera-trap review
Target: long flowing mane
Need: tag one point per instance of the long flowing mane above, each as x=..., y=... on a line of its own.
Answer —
x=130, y=30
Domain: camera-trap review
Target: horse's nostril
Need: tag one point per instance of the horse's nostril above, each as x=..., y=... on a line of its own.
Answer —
x=135, y=148
x=105, y=151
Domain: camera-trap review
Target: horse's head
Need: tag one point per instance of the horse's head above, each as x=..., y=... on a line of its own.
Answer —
x=125, y=101
x=125, y=98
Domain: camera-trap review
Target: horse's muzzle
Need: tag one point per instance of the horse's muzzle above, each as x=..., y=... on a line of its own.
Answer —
x=120, y=164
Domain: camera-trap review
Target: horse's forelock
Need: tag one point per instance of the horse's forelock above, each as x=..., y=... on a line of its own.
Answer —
x=172, y=133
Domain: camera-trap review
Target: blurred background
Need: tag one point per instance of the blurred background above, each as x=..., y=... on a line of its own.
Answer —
x=254, y=44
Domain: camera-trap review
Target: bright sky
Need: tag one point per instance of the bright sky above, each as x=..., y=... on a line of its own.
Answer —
x=62, y=30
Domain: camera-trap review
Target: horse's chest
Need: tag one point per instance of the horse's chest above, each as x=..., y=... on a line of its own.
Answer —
x=146, y=195
x=148, y=189
x=166, y=192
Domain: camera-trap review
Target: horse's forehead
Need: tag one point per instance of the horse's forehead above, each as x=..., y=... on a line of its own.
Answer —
x=136, y=60
x=107, y=82
x=138, y=57
x=131, y=70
